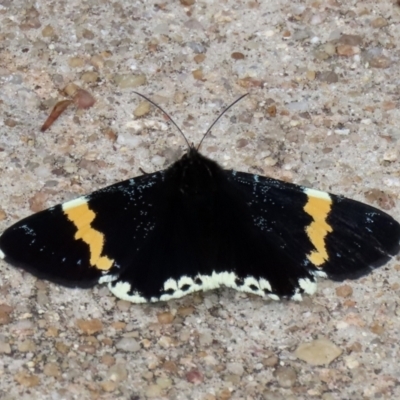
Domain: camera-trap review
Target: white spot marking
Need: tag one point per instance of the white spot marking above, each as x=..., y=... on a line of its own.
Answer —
x=176, y=295
x=74, y=203
x=264, y=284
x=297, y=296
x=308, y=286
x=251, y=281
x=247, y=283
x=185, y=280
x=317, y=193
x=215, y=280
x=209, y=282
x=320, y=274
x=108, y=278
x=121, y=290
x=170, y=284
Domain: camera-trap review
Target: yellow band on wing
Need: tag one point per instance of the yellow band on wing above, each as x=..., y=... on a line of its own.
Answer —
x=79, y=213
x=318, y=206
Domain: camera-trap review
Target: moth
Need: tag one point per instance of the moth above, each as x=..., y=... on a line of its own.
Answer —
x=196, y=226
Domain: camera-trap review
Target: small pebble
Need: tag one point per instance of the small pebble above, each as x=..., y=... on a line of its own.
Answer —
x=38, y=202
x=76, y=62
x=328, y=77
x=158, y=161
x=90, y=326
x=87, y=34
x=97, y=61
x=185, y=311
x=318, y=352
x=350, y=40
x=165, y=342
x=235, y=368
x=89, y=77
x=165, y=317
x=128, y=344
x=108, y=386
x=355, y=347
x=117, y=373
x=83, y=99
x=286, y=376
x=26, y=346
x=347, y=50
x=330, y=48
x=321, y=55
x=48, y=31
x=390, y=155
x=123, y=305
x=344, y=291
x=31, y=20
x=52, y=369
x=127, y=81
x=4, y=318
x=377, y=328
x=376, y=59
x=342, y=131
x=194, y=376
x=52, y=331
x=164, y=382
x=379, y=22
x=351, y=362
x=153, y=391
x=5, y=347
x=26, y=379
x=237, y=56
x=301, y=34
x=198, y=74
x=62, y=347
x=108, y=359
x=170, y=366
x=271, y=109
x=199, y=58
x=142, y=109
x=270, y=361
x=225, y=394
x=318, y=19
x=3, y=216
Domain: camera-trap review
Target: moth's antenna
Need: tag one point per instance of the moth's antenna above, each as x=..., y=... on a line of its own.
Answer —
x=220, y=115
x=164, y=112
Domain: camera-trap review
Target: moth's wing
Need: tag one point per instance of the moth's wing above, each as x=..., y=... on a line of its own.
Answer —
x=86, y=239
x=324, y=234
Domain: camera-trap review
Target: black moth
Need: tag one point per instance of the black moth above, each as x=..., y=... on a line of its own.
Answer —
x=195, y=226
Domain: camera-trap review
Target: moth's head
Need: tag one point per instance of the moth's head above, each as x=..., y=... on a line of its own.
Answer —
x=197, y=174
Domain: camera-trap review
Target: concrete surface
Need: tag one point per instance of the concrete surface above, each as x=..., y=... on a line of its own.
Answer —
x=323, y=110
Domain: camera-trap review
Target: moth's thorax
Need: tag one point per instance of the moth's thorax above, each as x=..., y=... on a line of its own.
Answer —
x=196, y=174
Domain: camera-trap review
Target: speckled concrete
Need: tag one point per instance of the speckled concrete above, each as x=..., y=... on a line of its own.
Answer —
x=323, y=110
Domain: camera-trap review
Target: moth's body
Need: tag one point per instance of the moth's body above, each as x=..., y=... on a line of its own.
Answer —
x=195, y=226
